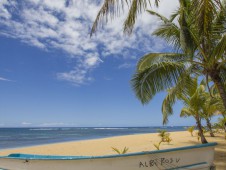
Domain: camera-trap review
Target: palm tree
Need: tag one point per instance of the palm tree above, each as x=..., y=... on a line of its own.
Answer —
x=160, y=71
x=114, y=8
x=191, y=129
x=209, y=109
x=222, y=122
x=193, y=100
x=201, y=31
x=210, y=37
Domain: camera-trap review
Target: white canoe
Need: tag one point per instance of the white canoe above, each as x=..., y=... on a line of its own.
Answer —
x=190, y=157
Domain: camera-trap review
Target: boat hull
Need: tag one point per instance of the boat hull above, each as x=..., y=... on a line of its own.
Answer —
x=179, y=158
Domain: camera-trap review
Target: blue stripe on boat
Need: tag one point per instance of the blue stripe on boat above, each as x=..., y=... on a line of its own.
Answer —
x=189, y=166
x=47, y=157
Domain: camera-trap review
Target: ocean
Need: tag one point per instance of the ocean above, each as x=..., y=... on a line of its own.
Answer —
x=23, y=137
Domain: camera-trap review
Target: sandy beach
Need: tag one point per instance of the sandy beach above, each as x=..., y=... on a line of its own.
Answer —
x=135, y=143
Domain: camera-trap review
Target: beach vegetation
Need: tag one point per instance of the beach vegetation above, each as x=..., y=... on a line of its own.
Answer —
x=165, y=136
x=162, y=134
x=193, y=99
x=123, y=151
x=157, y=146
x=191, y=130
x=168, y=139
x=213, y=106
x=220, y=126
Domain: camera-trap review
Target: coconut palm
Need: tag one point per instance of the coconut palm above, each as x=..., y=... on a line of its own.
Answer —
x=222, y=122
x=210, y=37
x=214, y=94
x=209, y=109
x=193, y=99
x=200, y=34
x=160, y=71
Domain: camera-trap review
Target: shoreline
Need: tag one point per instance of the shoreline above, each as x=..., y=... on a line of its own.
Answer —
x=67, y=142
x=135, y=143
x=28, y=137
x=62, y=142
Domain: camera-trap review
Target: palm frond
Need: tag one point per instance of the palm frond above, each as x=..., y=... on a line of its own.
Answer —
x=219, y=22
x=186, y=112
x=192, y=89
x=153, y=58
x=137, y=6
x=186, y=41
x=110, y=8
x=220, y=48
x=114, y=8
x=158, y=77
x=204, y=11
x=164, y=19
x=170, y=33
x=223, y=75
x=167, y=104
x=180, y=90
x=174, y=15
x=197, y=100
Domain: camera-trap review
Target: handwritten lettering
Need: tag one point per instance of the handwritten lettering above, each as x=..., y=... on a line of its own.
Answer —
x=159, y=162
x=141, y=165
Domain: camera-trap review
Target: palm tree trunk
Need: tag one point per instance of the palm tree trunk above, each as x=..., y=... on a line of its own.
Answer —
x=209, y=127
x=225, y=127
x=199, y=126
x=219, y=84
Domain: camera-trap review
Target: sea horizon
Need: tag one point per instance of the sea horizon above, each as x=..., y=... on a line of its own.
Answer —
x=15, y=137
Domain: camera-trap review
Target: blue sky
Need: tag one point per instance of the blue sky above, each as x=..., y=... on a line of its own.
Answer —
x=53, y=74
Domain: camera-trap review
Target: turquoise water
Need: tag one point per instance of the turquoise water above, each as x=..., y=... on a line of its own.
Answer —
x=22, y=137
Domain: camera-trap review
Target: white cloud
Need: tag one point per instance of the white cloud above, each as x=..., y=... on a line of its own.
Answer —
x=92, y=59
x=4, y=13
x=57, y=5
x=49, y=124
x=65, y=25
x=4, y=79
x=26, y=123
x=126, y=65
x=77, y=76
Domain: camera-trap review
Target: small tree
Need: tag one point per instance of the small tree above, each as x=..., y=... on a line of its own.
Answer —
x=191, y=129
x=221, y=124
x=165, y=136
